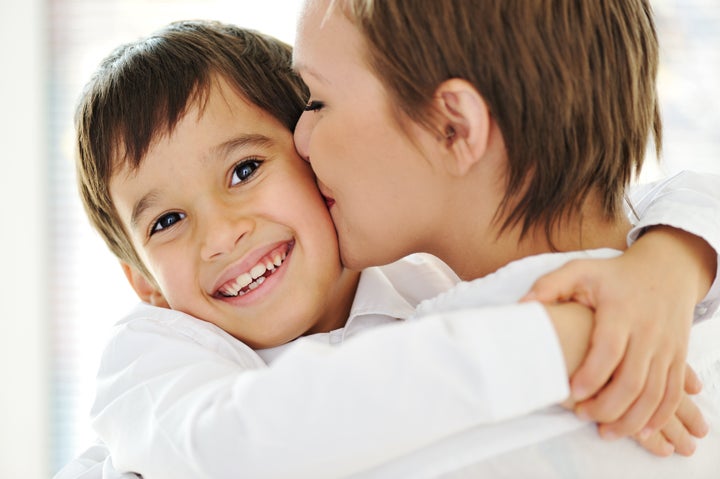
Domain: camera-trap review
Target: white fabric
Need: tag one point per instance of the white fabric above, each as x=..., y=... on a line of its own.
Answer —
x=181, y=398
x=94, y=463
x=165, y=390
x=580, y=454
x=553, y=443
x=689, y=201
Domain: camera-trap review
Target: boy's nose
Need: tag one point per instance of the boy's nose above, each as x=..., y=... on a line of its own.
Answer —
x=302, y=135
x=221, y=232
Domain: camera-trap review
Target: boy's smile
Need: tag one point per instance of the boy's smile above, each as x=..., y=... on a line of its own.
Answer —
x=252, y=278
x=228, y=220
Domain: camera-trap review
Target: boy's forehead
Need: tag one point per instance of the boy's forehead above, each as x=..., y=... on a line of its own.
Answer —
x=128, y=153
x=216, y=122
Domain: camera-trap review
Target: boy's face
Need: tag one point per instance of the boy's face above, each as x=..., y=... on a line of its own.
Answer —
x=228, y=220
x=378, y=183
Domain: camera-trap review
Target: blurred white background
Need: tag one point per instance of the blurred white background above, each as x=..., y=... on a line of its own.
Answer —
x=60, y=288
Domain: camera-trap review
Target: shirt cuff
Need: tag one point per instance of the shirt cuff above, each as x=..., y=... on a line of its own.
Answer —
x=701, y=220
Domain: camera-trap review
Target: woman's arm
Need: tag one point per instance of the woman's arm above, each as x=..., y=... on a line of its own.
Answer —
x=634, y=374
x=172, y=404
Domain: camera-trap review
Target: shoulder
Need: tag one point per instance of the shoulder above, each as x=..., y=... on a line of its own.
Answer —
x=506, y=285
x=419, y=276
x=148, y=330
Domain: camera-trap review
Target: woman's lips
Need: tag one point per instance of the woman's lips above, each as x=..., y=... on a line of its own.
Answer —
x=329, y=201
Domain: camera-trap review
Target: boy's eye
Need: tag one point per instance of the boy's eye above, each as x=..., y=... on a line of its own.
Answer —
x=314, y=105
x=166, y=221
x=244, y=170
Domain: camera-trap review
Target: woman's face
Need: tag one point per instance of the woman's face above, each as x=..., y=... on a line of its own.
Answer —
x=377, y=182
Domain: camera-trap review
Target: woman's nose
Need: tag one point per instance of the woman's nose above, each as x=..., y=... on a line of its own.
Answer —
x=302, y=135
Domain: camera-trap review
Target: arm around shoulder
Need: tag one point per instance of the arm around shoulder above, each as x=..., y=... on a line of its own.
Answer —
x=171, y=404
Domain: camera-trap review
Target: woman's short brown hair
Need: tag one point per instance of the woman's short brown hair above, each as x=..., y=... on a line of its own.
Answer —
x=571, y=85
x=142, y=90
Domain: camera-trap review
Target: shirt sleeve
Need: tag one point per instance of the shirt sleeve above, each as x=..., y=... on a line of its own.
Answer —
x=170, y=407
x=689, y=201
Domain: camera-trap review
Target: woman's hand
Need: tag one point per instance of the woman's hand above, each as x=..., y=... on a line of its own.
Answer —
x=677, y=435
x=632, y=378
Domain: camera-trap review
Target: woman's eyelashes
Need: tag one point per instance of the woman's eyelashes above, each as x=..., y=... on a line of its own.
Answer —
x=244, y=171
x=314, y=105
x=166, y=221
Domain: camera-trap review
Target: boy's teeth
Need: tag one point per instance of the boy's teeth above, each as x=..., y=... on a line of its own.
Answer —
x=256, y=283
x=257, y=270
x=243, y=280
x=255, y=277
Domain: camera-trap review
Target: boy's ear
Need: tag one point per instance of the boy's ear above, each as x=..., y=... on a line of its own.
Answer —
x=465, y=121
x=145, y=289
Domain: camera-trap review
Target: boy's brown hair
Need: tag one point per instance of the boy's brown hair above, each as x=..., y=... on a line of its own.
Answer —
x=571, y=85
x=142, y=90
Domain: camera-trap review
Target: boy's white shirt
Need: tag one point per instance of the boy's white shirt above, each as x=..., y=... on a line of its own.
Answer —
x=198, y=403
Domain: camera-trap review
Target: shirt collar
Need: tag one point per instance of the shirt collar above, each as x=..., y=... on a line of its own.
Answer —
x=376, y=301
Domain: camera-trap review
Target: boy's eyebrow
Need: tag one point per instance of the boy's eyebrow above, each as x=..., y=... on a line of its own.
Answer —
x=240, y=141
x=140, y=207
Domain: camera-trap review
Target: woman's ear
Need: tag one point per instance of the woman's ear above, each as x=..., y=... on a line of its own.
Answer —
x=465, y=120
x=144, y=288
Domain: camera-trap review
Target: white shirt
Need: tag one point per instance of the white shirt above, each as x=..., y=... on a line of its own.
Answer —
x=553, y=443
x=320, y=415
x=579, y=453
x=689, y=201
x=181, y=398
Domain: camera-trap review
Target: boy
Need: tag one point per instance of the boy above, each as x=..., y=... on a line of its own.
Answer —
x=214, y=178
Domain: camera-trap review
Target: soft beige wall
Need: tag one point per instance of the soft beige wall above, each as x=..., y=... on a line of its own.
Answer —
x=23, y=358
